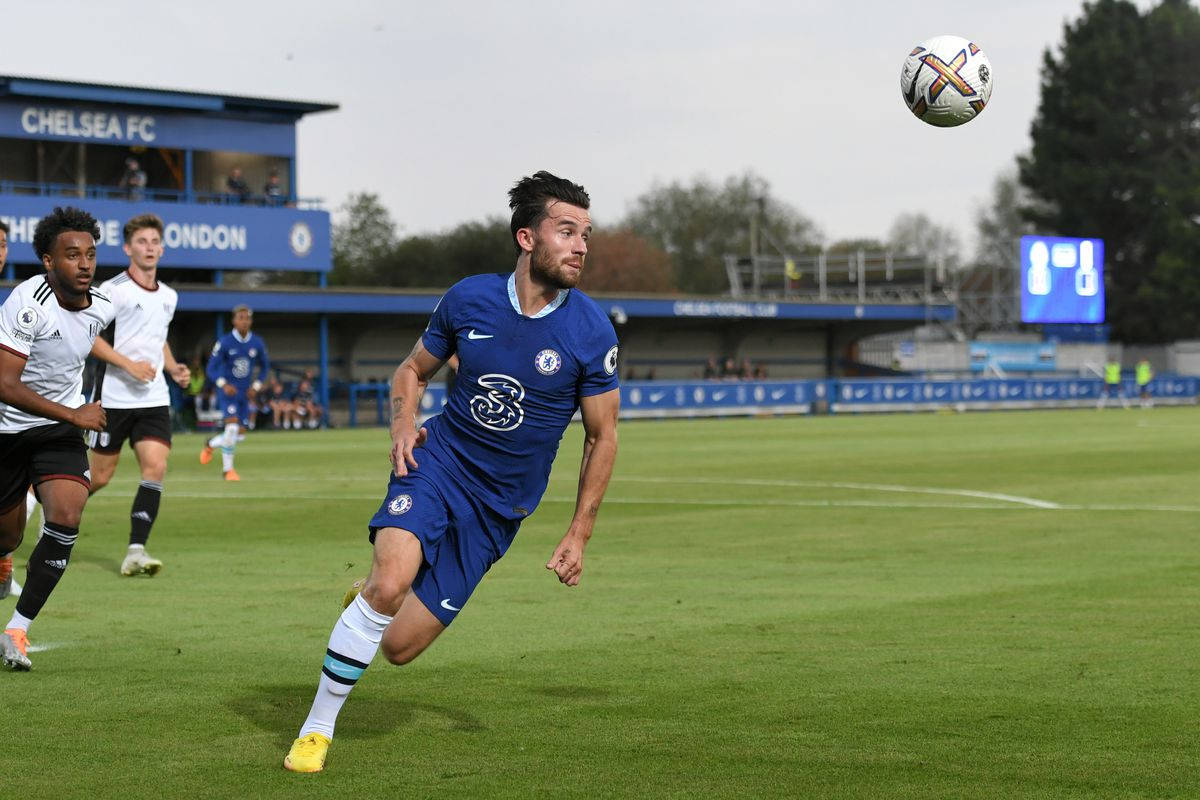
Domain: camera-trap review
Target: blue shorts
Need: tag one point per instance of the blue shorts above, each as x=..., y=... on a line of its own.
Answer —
x=460, y=537
x=237, y=406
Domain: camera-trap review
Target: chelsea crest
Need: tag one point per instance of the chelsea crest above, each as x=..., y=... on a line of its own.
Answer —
x=548, y=362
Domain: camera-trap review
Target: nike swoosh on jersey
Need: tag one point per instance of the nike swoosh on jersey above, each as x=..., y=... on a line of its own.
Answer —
x=473, y=335
x=446, y=605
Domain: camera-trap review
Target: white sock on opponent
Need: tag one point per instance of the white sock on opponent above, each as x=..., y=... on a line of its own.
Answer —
x=352, y=644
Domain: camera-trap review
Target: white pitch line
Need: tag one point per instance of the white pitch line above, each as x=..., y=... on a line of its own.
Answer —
x=876, y=487
x=42, y=647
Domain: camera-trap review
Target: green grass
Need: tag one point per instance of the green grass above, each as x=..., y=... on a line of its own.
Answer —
x=832, y=607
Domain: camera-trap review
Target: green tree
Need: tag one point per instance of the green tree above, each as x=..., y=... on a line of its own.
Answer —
x=1000, y=224
x=439, y=260
x=699, y=223
x=1116, y=154
x=362, y=241
x=917, y=234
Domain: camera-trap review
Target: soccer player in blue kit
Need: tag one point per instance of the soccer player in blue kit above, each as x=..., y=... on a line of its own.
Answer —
x=532, y=350
x=235, y=358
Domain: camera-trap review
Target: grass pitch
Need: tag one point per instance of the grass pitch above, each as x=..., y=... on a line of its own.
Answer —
x=982, y=605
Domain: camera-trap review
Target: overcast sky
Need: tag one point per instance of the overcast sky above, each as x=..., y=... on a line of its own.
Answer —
x=444, y=105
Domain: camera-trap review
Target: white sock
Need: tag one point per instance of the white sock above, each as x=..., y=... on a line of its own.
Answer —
x=18, y=621
x=352, y=645
x=228, y=442
x=215, y=441
x=30, y=505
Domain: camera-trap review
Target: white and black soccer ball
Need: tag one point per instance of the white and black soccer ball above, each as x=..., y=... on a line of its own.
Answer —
x=946, y=81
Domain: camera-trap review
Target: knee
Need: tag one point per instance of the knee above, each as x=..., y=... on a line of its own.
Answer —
x=67, y=519
x=100, y=479
x=10, y=540
x=383, y=595
x=154, y=472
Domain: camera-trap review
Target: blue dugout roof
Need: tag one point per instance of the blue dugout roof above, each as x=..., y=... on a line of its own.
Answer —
x=19, y=86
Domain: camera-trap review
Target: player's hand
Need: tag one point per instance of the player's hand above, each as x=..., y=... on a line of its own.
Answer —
x=144, y=371
x=90, y=417
x=567, y=561
x=182, y=374
x=229, y=390
x=403, y=444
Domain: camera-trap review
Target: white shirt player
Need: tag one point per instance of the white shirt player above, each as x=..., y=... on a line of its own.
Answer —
x=54, y=341
x=143, y=316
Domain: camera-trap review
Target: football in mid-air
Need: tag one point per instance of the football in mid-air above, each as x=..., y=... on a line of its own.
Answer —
x=946, y=81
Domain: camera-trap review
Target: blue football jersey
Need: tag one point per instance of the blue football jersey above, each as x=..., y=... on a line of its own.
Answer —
x=519, y=383
x=240, y=363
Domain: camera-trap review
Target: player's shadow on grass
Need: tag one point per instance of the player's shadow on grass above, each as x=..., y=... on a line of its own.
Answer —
x=280, y=709
x=105, y=563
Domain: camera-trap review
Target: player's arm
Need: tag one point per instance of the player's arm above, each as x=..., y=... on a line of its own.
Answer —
x=408, y=385
x=180, y=373
x=264, y=367
x=216, y=370
x=13, y=392
x=599, y=454
x=142, y=370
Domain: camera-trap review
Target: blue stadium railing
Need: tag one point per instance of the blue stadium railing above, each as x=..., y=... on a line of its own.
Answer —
x=94, y=192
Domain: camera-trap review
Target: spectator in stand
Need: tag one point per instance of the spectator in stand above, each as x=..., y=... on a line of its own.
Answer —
x=710, y=369
x=745, y=372
x=305, y=408
x=236, y=185
x=133, y=180
x=273, y=191
x=760, y=372
x=729, y=370
x=281, y=408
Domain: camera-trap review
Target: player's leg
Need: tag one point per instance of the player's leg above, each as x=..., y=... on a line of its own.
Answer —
x=13, y=646
x=412, y=629
x=355, y=640
x=103, y=465
x=12, y=531
x=63, y=500
x=14, y=481
x=152, y=460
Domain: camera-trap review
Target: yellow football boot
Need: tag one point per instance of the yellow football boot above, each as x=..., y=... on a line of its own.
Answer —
x=307, y=753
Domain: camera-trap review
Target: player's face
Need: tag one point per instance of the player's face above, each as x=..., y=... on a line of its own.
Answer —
x=560, y=245
x=241, y=322
x=144, y=249
x=71, y=262
x=3, y=248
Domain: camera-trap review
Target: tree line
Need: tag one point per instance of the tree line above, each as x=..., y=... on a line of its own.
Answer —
x=674, y=240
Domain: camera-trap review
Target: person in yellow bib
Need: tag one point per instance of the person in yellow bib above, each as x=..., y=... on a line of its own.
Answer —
x=1112, y=385
x=1144, y=373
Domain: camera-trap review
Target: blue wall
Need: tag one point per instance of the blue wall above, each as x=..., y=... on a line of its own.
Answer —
x=202, y=236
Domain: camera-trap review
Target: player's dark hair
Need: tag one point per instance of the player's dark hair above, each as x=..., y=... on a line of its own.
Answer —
x=62, y=220
x=530, y=199
x=141, y=222
x=4, y=227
